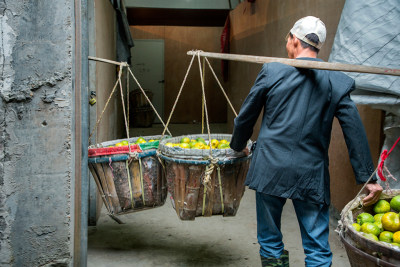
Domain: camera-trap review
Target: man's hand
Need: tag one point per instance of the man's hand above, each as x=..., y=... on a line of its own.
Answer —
x=246, y=151
x=374, y=191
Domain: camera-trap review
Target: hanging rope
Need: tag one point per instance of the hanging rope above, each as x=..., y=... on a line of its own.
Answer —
x=105, y=106
x=147, y=98
x=220, y=86
x=179, y=94
x=119, y=82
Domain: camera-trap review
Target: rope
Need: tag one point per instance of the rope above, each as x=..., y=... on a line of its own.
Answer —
x=222, y=89
x=179, y=93
x=207, y=178
x=220, y=188
x=202, y=100
x=108, y=100
x=123, y=106
x=384, y=156
x=129, y=182
x=205, y=104
x=141, y=180
x=148, y=100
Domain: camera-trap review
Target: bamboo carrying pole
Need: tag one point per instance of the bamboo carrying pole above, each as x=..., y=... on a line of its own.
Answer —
x=307, y=64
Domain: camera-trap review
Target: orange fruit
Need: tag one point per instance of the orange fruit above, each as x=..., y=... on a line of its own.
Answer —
x=396, y=237
x=356, y=226
x=214, y=142
x=223, y=146
x=192, y=143
x=379, y=224
x=382, y=206
x=378, y=217
x=223, y=141
x=169, y=144
x=184, y=145
x=391, y=221
x=365, y=217
x=140, y=140
x=386, y=236
x=371, y=236
x=370, y=228
x=200, y=139
x=199, y=145
x=125, y=142
x=185, y=140
x=395, y=203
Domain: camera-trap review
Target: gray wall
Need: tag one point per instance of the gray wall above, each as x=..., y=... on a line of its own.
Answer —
x=36, y=119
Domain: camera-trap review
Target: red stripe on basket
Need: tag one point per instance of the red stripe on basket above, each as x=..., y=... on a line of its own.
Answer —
x=102, y=151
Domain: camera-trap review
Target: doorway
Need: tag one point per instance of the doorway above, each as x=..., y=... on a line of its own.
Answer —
x=148, y=67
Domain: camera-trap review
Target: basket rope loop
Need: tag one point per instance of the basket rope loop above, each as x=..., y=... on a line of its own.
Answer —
x=129, y=182
x=141, y=180
x=220, y=188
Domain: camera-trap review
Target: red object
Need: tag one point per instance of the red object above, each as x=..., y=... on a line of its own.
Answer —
x=102, y=151
x=384, y=156
x=225, y=36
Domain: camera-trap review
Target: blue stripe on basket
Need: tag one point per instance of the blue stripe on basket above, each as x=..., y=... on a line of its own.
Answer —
x=122, y=157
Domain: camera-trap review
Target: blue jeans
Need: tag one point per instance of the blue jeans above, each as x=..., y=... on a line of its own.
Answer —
x=314, y=226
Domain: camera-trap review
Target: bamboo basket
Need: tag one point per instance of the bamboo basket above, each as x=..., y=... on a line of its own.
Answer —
x=128, y=182
x=362, y=251
x=186, y=172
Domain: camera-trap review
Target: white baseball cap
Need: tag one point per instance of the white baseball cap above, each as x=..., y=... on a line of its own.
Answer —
x=308, y=25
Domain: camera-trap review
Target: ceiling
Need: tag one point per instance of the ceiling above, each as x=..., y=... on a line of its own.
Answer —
x=211, y=13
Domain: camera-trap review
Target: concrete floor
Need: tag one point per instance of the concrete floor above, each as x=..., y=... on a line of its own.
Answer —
x=157, y=237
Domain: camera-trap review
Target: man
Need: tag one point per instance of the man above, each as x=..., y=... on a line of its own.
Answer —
x=290, y=159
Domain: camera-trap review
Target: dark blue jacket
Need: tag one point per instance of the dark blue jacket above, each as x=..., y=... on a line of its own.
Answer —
x=291, y=156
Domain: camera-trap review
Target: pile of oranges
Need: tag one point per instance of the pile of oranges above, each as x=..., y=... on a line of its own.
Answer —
x=200, y=143
x=140, y=140
x=384, y=225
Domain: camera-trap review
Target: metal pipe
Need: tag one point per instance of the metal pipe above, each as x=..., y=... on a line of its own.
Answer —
x=300, y=63
x=81, y=133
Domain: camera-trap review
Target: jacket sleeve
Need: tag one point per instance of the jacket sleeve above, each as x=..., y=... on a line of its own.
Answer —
x=249, y=112
x=356, y=139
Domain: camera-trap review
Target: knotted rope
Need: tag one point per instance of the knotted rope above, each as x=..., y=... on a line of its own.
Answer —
x=381, y=166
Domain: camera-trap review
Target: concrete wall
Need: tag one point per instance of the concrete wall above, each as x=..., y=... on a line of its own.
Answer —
x=36, y=120
x=179, y=40
x=260, y=29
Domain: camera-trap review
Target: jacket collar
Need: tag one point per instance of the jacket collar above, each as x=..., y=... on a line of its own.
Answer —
x=309, y=58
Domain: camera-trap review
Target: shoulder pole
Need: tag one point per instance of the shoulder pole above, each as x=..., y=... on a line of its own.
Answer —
x=307, y=64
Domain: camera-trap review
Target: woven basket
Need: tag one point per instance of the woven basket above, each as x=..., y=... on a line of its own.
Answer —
x=186, y=169
x=128, y=182
x=361, y=250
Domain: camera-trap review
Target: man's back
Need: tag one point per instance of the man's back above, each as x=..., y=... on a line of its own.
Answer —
x=291, y=157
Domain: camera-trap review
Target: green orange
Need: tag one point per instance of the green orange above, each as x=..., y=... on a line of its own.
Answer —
x=391, y=221
x=382, y=206
x=370, y=228
x=356, y=226
x=386, y=236
x=365, y=217
x=395, y=203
